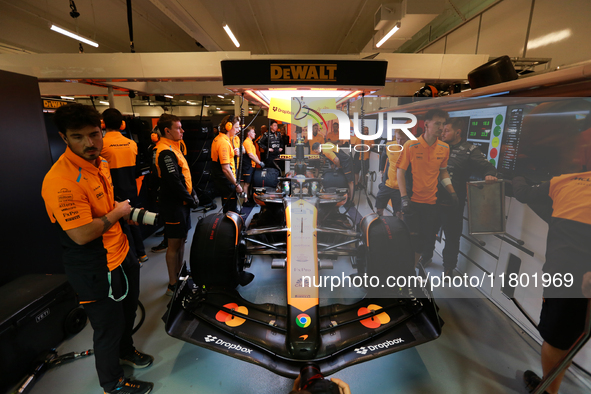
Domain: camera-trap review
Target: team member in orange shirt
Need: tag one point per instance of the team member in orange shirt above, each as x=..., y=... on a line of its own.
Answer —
x=100, y=266
x=121, y=153
x=388, y=189
x=236, y=144
x=568, y=251
x=427, y=157
x=316, y=135
x=249, y=165
x=223, y=170
x=333, y=135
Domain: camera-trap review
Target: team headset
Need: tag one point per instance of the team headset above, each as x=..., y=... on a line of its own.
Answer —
x=427, y=91
x=230, y=123
x=122, y=127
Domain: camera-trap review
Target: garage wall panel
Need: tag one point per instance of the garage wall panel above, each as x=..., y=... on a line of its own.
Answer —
x=503, y=29
x=561, y=31
x=463, y=40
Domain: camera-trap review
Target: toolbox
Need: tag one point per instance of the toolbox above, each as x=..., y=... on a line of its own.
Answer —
x=37, y=312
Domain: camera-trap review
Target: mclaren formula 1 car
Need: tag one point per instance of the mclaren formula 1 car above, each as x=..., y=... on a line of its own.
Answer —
x=300, y=230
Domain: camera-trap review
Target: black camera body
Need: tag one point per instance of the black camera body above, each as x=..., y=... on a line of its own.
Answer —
x=312, y=380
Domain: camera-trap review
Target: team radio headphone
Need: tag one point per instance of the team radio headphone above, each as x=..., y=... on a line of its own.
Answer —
x=230, y=123
x=122, y=127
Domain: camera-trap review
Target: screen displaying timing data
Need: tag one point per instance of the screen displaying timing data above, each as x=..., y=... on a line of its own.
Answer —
x=511, y=137
x=484, y=128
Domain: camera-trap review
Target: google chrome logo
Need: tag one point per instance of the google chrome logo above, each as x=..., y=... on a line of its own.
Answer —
x=303, y=320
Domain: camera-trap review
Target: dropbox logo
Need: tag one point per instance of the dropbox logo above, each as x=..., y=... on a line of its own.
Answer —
x=210, y=338
x=362, y=350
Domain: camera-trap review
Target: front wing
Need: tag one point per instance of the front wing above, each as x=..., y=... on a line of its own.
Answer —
x=224, y=322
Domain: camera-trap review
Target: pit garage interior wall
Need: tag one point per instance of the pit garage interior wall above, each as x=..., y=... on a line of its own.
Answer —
x=29, y=242
x=551, y=29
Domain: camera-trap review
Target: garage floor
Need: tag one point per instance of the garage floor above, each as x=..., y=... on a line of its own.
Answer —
x=480, y=351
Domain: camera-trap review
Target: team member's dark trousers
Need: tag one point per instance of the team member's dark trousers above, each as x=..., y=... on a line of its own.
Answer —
x=224, y=188
x=420, y=219
x=452, y=222
x=137, y=241
x=113, y=322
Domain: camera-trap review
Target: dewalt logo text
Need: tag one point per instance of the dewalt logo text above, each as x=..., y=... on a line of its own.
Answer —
x=303, y=72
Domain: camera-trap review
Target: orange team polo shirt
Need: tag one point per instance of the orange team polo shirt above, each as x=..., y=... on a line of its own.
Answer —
x=317, y=138
x=329, y=149
x=571, y=194
x=426, y=162
x=175, y=147
x=332, y=136
x=249, y=148
x=392, y=181
x=117, y=148
x=236, y=142
x=76, y=192
x=358, y=141
x=222, y=151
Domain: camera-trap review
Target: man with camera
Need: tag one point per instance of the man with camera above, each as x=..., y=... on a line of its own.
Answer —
x=121, y=153
x=176, y=195
x=100, y=266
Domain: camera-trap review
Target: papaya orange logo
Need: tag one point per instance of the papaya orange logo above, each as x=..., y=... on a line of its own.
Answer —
x=374, y=321
x=229, y=319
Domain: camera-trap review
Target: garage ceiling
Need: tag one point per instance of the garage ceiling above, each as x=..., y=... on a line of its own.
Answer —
x=261, y=26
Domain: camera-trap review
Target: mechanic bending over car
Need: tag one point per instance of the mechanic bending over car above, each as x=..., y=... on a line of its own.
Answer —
x=101, y=267
x=340, y=160
x=223, y=170
x=176, y=194
x=427, y=158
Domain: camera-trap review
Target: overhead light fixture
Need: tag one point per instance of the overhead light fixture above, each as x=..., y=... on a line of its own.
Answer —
x=67, y=98
x=206, y=105
x=350, y=95
x=73, y=35
x=220, y=96
x=229, y=32
x=218, y=108
x=104, y=102
x=249, y=108
x=168, y=96
x=387, y=36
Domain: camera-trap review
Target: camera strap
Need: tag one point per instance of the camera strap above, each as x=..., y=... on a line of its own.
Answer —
x=111, y=287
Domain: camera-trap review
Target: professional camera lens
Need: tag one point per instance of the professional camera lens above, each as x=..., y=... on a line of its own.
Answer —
x=141, y=216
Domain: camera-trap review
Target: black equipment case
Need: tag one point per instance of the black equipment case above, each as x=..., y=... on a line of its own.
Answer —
x=37, y=312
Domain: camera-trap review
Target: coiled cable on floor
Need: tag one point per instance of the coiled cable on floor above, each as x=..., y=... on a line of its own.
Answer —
x=141, y=307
